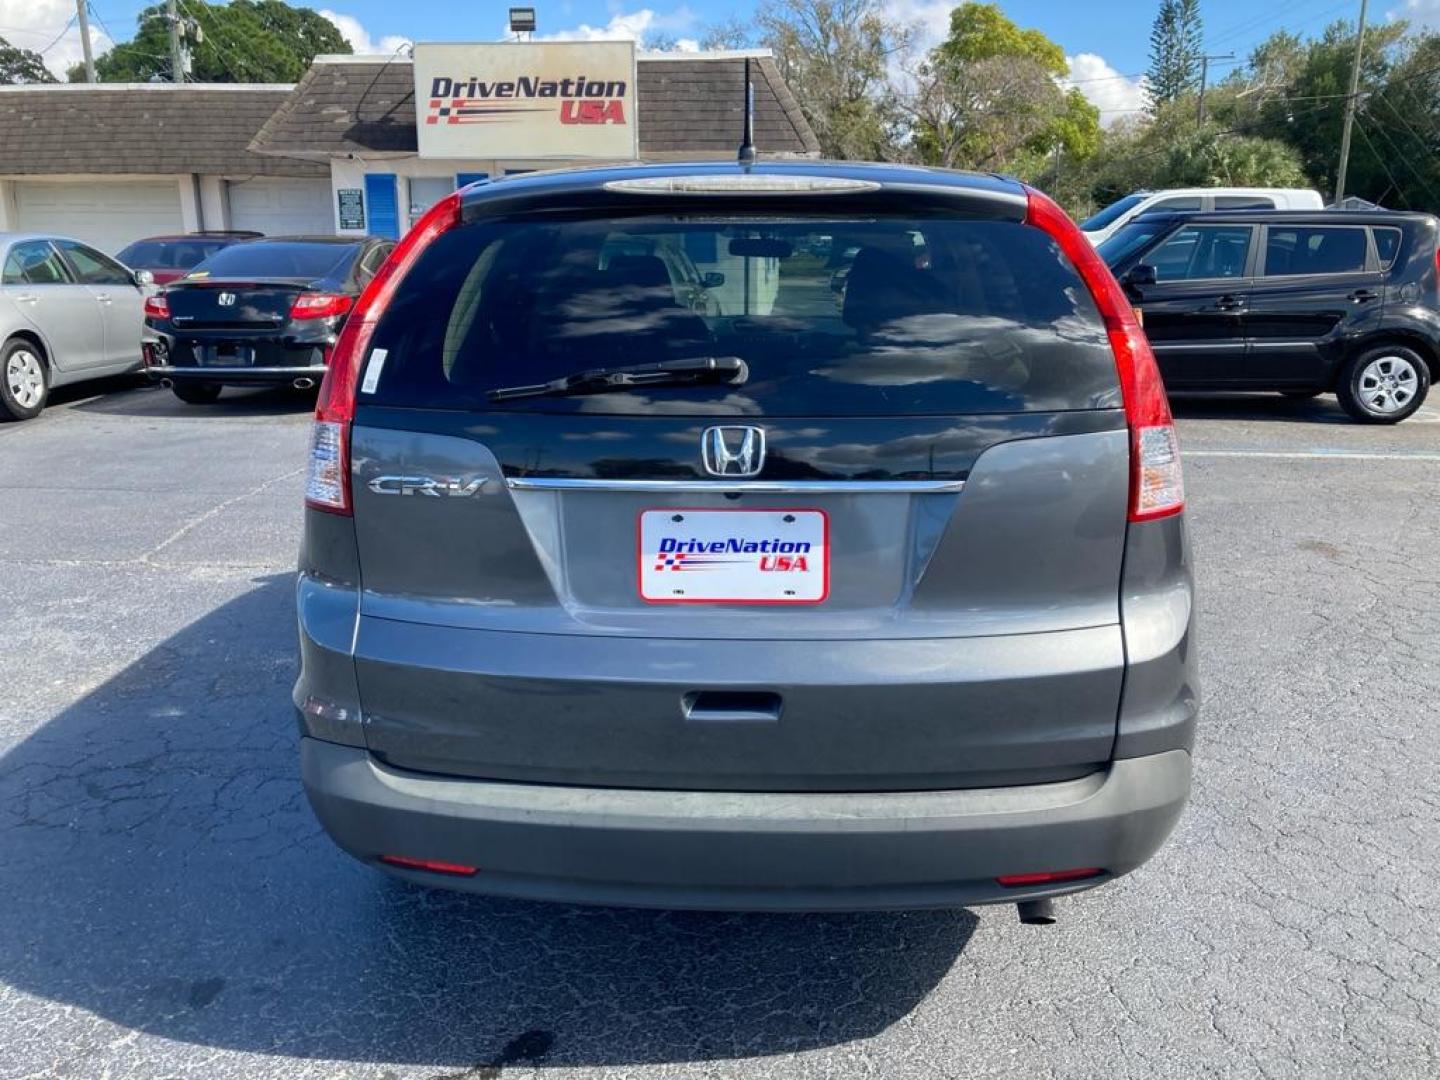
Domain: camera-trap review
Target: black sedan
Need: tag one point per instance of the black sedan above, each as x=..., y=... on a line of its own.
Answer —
x=266, y=312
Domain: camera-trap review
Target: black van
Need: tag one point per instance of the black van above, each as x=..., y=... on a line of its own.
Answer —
x=1302, y=302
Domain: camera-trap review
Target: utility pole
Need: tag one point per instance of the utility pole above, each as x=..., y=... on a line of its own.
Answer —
x=83, y=14
x=177, y=52
x=1204, y=78
x=1350, y=100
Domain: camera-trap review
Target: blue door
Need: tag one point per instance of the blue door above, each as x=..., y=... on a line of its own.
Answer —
x=384, y=204
x=461, y=179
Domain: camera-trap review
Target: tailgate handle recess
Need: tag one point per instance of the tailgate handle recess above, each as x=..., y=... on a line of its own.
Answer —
x=735, y=706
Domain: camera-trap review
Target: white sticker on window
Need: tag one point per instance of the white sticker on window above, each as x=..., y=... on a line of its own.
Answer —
x=372, y=371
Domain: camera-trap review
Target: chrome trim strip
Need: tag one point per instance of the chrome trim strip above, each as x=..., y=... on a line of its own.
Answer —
x=201, y=370
x=747, y=487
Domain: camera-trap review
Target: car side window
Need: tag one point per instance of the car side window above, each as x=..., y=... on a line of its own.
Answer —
x=34, y=262
x=1244, y=202
x=1177, y=202
x=1387, y=245
x=1202, y=251
x=93, y=268
x=373, y=261
x=1314, y=249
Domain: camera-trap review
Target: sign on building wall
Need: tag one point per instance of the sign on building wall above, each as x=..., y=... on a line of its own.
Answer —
x=553, y=99
x=351, y=203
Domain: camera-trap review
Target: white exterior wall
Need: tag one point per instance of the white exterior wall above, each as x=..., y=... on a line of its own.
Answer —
x=350, y=173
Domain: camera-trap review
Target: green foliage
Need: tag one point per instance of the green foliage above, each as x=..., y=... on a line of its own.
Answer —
x=983, y=32
x=244, y=41
x=1175, y=50
x=19, y=65
x=988, y=98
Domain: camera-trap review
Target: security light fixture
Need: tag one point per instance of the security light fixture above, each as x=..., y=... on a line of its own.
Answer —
x=522, y=20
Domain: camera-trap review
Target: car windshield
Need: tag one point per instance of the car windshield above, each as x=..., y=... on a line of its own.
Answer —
x=262, y=258
x=1112, y=212
x=169, y=254
x=867, y=316
x=1134, y=237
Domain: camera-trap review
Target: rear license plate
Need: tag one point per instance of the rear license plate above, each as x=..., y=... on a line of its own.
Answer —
x=226, y=356
x=734, y=556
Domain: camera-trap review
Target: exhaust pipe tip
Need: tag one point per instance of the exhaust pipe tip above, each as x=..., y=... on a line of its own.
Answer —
x=303, y=384
x=1037, y=912
x=166, y=384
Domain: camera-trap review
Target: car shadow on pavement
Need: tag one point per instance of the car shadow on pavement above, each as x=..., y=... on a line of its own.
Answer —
x=160, y=868
x=144, y=399
x=1275, y=408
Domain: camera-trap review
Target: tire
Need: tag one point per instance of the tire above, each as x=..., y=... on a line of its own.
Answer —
x=1301, y=395
x=24, y=380
x=1383, y=385
x=203, y=393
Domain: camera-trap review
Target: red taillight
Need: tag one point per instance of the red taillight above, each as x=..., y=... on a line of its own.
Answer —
x=1157, y=488
x=328, y=487
x=320, y=305
x=156, y=307
x=1048, y=877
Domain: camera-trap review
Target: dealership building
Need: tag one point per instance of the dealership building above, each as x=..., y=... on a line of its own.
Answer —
x=353, y=149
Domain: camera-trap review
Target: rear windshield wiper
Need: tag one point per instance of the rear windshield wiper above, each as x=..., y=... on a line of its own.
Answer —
x=729, y=369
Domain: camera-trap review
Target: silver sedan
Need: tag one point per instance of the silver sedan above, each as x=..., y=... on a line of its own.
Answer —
x=67, y=313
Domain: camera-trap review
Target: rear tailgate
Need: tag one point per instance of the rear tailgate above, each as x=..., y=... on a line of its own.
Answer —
x=249, y=304
x=943, y=432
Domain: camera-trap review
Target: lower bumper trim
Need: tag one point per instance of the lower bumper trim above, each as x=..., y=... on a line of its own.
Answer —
x=236, y=374
x=757, y=851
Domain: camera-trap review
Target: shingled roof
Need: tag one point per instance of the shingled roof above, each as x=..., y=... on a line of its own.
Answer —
x=688, y=106
x=157, y=128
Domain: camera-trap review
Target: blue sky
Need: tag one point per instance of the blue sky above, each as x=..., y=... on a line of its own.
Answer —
x=1105, y=41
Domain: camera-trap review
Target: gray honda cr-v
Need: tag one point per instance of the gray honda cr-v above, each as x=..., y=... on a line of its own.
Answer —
x=792, y=536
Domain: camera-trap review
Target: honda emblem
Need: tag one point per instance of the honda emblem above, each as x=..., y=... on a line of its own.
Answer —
x=226, y=299
x=733, y=451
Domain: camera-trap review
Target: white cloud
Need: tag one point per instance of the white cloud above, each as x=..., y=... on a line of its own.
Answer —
x=1418, y=12
x=930, y=18
x=35, y=24
x=1115, y=95
x=353, y=31
x=634, y=26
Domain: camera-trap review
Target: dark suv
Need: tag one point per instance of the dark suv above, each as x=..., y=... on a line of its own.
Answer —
x=1299, y=302
x=773, y=602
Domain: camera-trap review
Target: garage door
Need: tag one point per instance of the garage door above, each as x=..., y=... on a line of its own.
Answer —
x=282, y=207
x=107, y=215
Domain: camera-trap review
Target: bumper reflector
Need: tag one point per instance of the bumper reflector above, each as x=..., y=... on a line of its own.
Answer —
x=1048, y=877
x=435, y=866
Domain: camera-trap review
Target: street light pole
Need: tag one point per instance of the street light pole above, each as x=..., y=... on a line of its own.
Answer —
x=1350, y=100
x=83, y=15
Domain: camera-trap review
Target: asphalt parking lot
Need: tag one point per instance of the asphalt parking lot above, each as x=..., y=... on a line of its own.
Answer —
x=169, y=908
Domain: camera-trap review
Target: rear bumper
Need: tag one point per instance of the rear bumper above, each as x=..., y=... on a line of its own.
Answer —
x=236, y=376
x=747, y=850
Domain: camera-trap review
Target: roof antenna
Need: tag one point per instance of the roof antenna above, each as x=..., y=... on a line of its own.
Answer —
x=747, y=139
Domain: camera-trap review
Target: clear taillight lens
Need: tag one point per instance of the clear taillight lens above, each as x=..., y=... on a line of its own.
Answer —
x=325, y=487
x=1159, y=485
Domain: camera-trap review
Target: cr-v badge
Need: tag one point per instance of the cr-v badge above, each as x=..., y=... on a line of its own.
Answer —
x=438, y=487
x=733, y=451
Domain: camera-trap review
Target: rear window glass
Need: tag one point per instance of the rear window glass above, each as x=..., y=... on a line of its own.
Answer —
x=1112, y=212
x=263, y=259
x=169, y=254
x=1318, y=249
x=832, y=317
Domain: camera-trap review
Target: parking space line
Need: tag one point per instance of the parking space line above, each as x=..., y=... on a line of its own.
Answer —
x=1313, y=455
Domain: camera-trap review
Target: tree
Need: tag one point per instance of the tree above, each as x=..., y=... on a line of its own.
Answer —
x=1175, y=51
x=19, y=65
x=244, y=41
x=835, y=55
x=989, y=97
x=731, y=33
